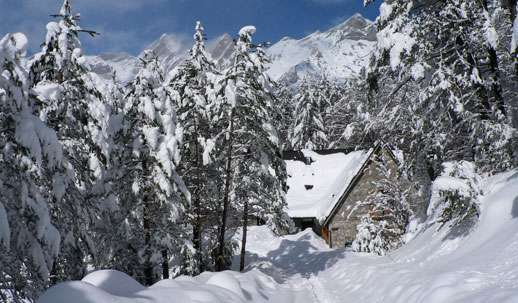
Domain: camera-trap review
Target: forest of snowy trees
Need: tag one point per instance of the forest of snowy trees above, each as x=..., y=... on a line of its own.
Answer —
x=152, y=178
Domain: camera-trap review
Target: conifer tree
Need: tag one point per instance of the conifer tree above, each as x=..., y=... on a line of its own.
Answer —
x=436, y=87
x=151, y=210
x=193, y=86
x=68, y=102
x=456, y=193
x=308, y=129
x=285, y=100
x=348, y=116
x=29, y=241
x=255, y=175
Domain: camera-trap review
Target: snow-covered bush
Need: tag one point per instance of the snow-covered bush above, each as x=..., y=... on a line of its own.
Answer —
x=455, y=194
x=383, y=228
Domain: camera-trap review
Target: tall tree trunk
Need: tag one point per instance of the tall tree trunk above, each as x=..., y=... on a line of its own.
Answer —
x=220, y=258
x=197, y=226
x=165, y=265
x=243, y=240
x=196, y=235
x=146, y=224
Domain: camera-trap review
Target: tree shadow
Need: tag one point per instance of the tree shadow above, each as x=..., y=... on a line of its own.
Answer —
x=294, y=257
x=514, y=210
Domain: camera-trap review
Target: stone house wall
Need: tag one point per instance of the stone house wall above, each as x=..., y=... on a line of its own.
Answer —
x=342, y=225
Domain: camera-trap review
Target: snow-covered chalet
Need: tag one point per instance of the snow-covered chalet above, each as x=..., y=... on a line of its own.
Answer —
x=326, y=189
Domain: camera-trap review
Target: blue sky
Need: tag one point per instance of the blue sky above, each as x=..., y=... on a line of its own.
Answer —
x=130, y=25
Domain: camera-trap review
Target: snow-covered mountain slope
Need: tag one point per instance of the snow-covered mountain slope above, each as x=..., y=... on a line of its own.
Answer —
x=338, y=53
x=221, y=49
x=170, y=50
x=435, y=266
x=124, y=65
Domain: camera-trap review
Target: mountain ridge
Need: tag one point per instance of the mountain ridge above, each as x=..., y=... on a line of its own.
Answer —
x=338, y=53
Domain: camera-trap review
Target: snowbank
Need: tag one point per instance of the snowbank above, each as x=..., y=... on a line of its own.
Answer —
x=110, y=286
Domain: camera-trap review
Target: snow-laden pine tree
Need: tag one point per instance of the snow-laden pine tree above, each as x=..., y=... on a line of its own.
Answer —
x=29, y=241
x=255, y=175
x=436, y=87
x=68, y=102
x=455, y=195
x=308, y=130
x=193, y=89
x=383, y=228
x=348, y=116
x=150, y=221
x=285, y=100
x=503, y=16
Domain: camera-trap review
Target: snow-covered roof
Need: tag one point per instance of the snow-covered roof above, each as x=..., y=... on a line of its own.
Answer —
x=315, y=188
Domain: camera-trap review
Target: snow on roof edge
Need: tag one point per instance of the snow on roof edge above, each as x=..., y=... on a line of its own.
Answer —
x=330, y=180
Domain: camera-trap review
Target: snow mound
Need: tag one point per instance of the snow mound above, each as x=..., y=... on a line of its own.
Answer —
x=166, y=283
x=227, y=281
x=225, y=287
x=76, y=292
x=114, y=282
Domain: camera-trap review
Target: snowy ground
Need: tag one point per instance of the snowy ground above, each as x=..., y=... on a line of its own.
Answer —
x=435, y=266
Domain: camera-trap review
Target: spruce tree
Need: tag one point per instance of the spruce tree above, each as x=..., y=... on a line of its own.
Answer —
x=436, y=88
x=150, y=218
x=285, y=100
x=193, y=88
x=456, y=195
x=308, y=131
x=255, y=172
x=29, y=241
x=68, y=102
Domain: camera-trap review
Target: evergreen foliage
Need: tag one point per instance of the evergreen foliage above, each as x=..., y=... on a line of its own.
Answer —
x=147, y=184
x=29, y=240
x=255, y=172
x=308, y=130
x=67, y=101
x=193, y=87
x=164, y=170
x=383, y=228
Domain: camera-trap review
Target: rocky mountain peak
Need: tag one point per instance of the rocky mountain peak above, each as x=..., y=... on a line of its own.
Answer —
x=356, y=27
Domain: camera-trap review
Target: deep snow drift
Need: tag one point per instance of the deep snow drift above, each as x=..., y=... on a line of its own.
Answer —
x=435, y=266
